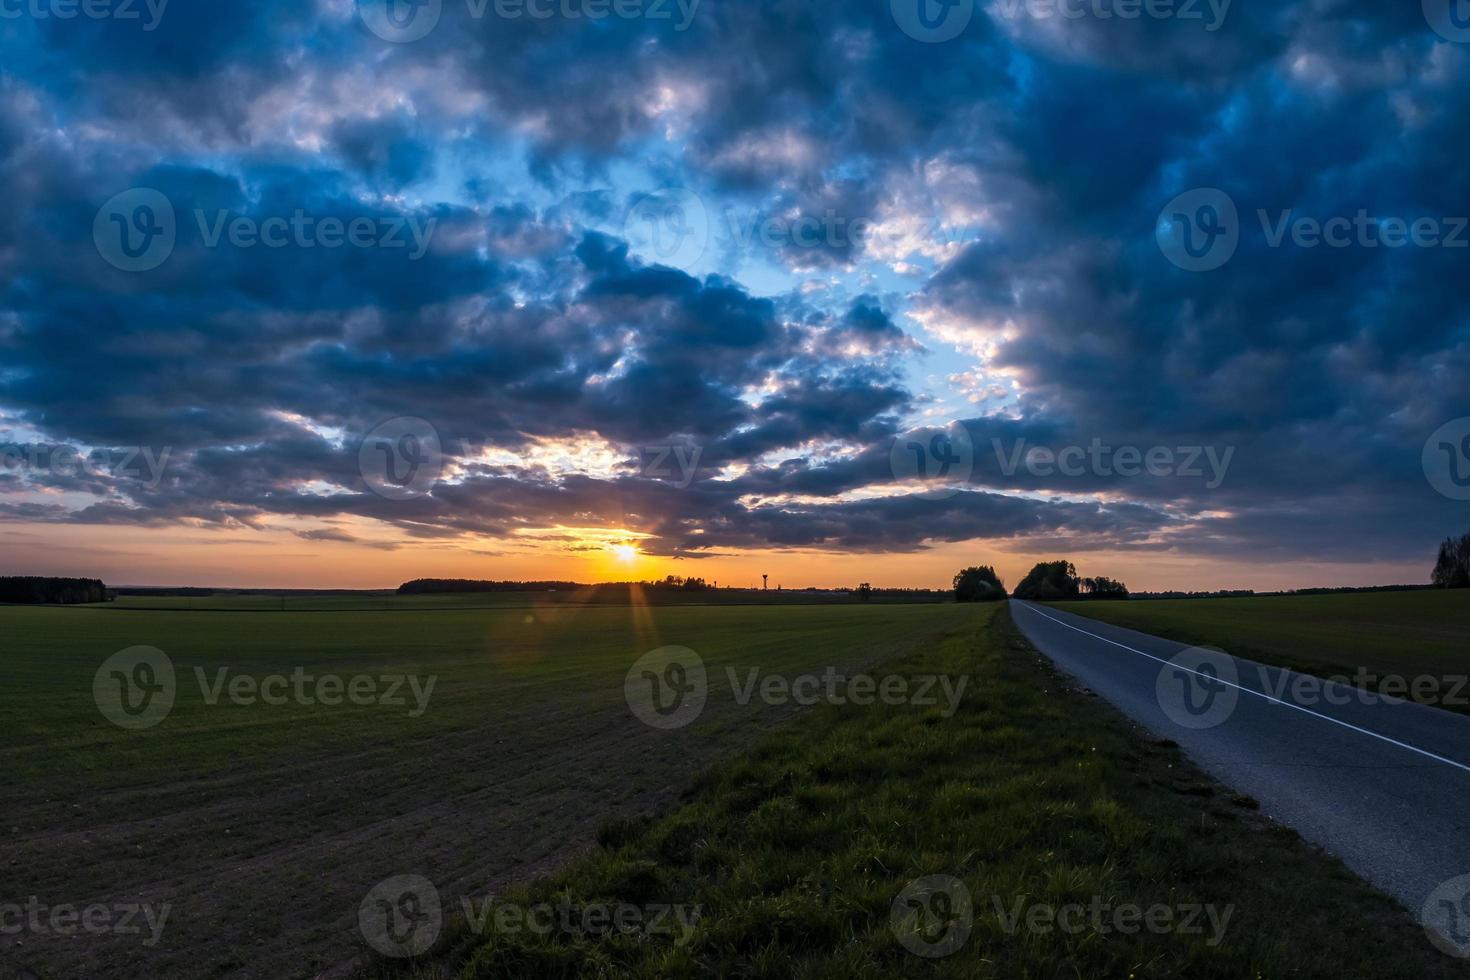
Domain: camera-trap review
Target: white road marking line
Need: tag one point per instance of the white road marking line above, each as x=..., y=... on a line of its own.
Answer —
x=1259, y=694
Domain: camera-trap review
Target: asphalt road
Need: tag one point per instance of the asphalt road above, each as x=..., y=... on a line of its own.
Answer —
x=1383, y=784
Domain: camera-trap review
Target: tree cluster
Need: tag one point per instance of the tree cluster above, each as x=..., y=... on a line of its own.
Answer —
x=55, y=591
x=434, y=586
x=1103, y=588
x=683, y=584
x=978, y=584
x=1049, y=581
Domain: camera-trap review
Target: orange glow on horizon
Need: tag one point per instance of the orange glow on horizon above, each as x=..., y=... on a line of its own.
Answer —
x=277, y=558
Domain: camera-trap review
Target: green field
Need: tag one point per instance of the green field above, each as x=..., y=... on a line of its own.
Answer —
x=1032, y=796
x=264, y=826
x=526, y=777
x=1398, y=634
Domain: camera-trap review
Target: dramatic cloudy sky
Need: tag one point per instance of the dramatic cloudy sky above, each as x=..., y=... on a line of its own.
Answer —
x=697, y=288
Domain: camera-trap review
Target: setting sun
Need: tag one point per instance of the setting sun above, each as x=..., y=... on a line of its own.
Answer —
x=625, y=553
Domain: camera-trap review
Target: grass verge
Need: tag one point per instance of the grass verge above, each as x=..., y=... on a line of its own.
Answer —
x=1032, y=795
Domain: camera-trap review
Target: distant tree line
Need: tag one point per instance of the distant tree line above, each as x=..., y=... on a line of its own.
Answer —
x=1452, y=570
x=1343, y=590
x=191, y=591
x=867, y=592
x=52, y=591
x=432, y=586
x=682, y=584
x=1216, y=594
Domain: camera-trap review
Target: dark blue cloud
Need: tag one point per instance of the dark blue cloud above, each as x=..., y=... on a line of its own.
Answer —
x=522, y=316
